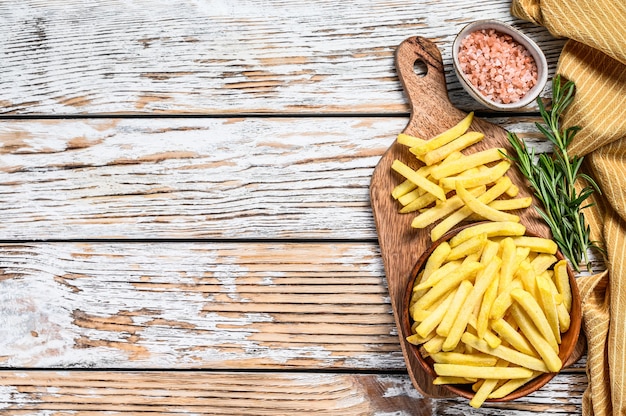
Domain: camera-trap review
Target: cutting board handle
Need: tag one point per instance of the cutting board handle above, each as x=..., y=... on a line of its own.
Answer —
x=428, y=93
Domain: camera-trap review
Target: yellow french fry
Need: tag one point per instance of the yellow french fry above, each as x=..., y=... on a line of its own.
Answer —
x=403, y=189
x=486, y=388
x=450, y=315
x=473, y=245
x=504, y=300
x=482, y=322
x=430, y=323
x=542, y=262
x=445, y=137
x=439, y=211
x=437, y=275
x=548, y=305
x=436, y=259
x=471, y=371
x=481, y=208
x=513, y=337
x=453, y=219
x=561, y=279
x=485, y=177
x=511, y=385
x=464, y=359
x=419, y=180
x=509, y=250
x=460, y=143
x=513, y=191
x=445, y=285
x=526, y=274
x=409, y=140
x=483, y=279
x=433, y=345
x=536, y=244
x=511, y=204
x=444, y=170
x=418, y=203
x=543, y=347
x=532, y=308
x=492, y=229
x=505, y=353
x=451, y=380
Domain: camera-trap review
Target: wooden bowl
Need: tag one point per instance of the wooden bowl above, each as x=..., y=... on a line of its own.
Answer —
x=569, y=339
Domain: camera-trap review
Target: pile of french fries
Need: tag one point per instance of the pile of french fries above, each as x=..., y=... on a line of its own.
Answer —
x=491, y=304
x=452, y=187
x=489, y=307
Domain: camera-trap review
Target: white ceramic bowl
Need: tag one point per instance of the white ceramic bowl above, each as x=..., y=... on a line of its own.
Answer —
x=535, y=51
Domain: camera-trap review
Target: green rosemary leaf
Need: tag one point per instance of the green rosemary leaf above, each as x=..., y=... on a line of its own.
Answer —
x=553, y=178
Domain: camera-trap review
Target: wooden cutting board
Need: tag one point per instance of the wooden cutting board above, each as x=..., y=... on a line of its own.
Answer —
x=400, y=244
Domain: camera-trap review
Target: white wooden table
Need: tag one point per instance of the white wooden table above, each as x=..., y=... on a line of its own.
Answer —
x=184, y=207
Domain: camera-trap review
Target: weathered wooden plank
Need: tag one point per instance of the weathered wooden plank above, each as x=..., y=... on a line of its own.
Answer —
x=195, y=305
x=205, y=57
x=195, y=178
x=267, y=393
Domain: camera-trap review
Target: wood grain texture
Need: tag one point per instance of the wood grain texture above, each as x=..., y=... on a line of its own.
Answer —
x=195, y=305
x=206, y=57
x=56, y=393
x=196, y=178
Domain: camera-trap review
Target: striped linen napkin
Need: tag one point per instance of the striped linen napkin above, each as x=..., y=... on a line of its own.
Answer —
x=594, y=57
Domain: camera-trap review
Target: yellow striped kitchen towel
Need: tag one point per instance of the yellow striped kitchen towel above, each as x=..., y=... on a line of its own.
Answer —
x=594, y=57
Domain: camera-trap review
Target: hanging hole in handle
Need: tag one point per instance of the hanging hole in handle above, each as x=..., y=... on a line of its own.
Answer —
x=420, y=68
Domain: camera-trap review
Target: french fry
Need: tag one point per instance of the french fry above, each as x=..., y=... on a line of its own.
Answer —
x=486, y=388
x=439, y=211
x=450, y=282
x=511, y=385
x=460, y=143
x=434, y=344
x=436, y=276
x=542, y=262
x=464, y=359
x=561, y=279
x=444, y=170
x=453, y=219
x=436, y=259
x=492, y=229
x=482, y=322
x=409, y=140
x=543, y=347
x=509, y=250
x=451, y=380
x=471, y=371
x=511, y=204
x=481, y=208
x=450, y=315
x=548, y=305
x=513, y=191
x=403, y=189
x=419, y=180
x=536, y=244
x=485, y=177
x=512, y=336
x=472, y=245
x=430, y=323
x=536, y=314
x=505, y=353
x=483, y=279
x=445, y=137
x=504, y=300
x=418, y=203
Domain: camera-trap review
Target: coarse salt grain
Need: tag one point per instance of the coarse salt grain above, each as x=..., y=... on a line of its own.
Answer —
x=501, y=69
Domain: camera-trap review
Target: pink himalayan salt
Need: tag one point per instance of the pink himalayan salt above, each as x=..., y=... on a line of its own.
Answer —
x=501, y=69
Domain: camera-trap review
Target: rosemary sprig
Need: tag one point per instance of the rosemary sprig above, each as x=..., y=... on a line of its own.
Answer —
x=553, y=178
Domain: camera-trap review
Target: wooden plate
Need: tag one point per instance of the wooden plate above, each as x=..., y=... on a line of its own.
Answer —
x=400, y=244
